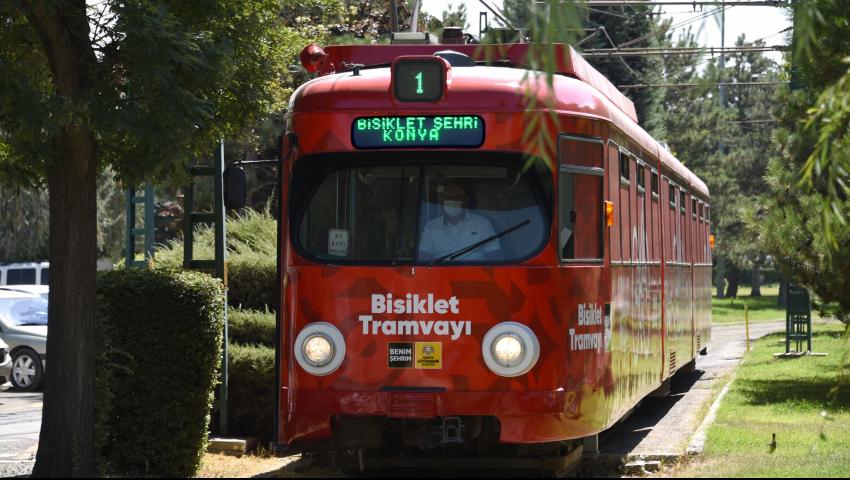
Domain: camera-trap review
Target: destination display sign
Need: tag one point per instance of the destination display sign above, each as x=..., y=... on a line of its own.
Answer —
x=430, y=131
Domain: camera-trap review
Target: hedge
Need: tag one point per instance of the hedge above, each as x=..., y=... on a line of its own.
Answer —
x=159, y=339
x=251, y=327
x=251, y=254
x=252, y=405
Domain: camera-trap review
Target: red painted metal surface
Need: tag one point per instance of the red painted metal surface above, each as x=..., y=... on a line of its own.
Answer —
x=654, y=275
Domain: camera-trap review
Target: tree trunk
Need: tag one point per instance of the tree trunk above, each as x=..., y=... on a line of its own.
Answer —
x=733, y=277
x=720, y=276
x=66, y=443
x=756, y=280
x=782, y=300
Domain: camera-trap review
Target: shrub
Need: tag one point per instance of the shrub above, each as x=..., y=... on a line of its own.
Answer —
x=252, y=282
x=251, y=327
x=251, y=390
x=251, y=258
x=162, y=332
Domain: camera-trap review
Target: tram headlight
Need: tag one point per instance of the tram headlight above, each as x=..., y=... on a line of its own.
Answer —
x=510, y=349
x=319, y=348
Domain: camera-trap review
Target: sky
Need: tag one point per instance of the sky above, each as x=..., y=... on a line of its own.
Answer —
x=755, y=22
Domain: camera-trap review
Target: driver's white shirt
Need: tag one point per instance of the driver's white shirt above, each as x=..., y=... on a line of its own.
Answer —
x=441, y=238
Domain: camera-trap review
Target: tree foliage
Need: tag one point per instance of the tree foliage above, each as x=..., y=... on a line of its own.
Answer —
x=610, y=27
x=145, y=87
x=802, y=217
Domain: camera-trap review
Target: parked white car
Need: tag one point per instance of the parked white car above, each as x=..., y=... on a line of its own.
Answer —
x=32, y=273
x=23, y=327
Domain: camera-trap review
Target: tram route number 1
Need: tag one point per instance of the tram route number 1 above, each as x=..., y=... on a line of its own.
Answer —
x=419, y=90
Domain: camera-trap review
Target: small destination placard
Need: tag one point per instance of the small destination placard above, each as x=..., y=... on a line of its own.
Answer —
x=418, y=131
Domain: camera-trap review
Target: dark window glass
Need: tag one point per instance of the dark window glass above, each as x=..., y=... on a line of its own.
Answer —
x=655, y=182
x=368, y=214
x=694, y=207
x=682, y=201
x=672, y=196
x=580, y=216
x=641, y=177
x=701, y=215
x=20, y=276
x=624, y=165
x=45, y=276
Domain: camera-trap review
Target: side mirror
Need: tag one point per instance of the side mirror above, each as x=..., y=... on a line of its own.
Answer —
x=234, y=187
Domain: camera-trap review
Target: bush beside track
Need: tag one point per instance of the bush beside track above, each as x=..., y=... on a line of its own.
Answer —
x=159, y=336
x=253, y=298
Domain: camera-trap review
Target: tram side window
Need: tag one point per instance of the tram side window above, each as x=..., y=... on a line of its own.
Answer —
x=580, y=198
x=580, y=214
x=624, y=166
x=654, y=183
x=641, y=178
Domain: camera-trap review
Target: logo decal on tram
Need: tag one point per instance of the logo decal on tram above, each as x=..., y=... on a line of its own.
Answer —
x=414, y=304
x=592, y=315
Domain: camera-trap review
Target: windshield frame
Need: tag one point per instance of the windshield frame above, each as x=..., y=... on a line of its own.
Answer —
x=315, y=168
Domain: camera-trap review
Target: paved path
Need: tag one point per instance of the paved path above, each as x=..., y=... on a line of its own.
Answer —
x=20, y=422
x=661, y=427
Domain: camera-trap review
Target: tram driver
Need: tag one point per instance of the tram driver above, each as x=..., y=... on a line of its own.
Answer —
x=458, y=228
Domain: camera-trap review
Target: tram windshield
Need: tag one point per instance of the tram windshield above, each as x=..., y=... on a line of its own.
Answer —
x=424, y=213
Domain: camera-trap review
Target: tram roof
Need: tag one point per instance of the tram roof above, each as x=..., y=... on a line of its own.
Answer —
x=579, y=89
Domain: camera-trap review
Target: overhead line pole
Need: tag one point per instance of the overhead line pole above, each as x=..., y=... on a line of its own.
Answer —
x=639, y=52
x=697, y=84
x=702, y=3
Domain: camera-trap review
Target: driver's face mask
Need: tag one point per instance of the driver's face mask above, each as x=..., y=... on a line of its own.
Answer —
x=453, y=208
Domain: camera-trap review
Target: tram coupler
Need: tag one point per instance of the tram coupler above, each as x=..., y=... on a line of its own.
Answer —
x=451, y=431
x=590, y=446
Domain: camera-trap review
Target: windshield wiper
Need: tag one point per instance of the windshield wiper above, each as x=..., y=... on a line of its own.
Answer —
x=475, y=245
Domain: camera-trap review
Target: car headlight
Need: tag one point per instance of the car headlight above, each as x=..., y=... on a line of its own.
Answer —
x=510, y=349
x=319, y=348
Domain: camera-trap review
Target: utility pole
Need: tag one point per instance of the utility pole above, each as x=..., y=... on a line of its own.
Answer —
x=394, y=15
x=721, y=263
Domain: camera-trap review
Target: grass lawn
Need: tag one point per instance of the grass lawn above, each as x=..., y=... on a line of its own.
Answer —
x=804, y=401
x=725, y=311
x=762, y=309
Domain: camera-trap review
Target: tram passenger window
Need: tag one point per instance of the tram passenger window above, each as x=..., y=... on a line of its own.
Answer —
x=672, y=196
x=654, y=183
x=641, y=178
x=694, y=207
x=624, y=166
x=682, y=204
x=580, y=213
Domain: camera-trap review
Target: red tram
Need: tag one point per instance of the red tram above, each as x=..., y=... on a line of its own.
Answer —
x=447, y=286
